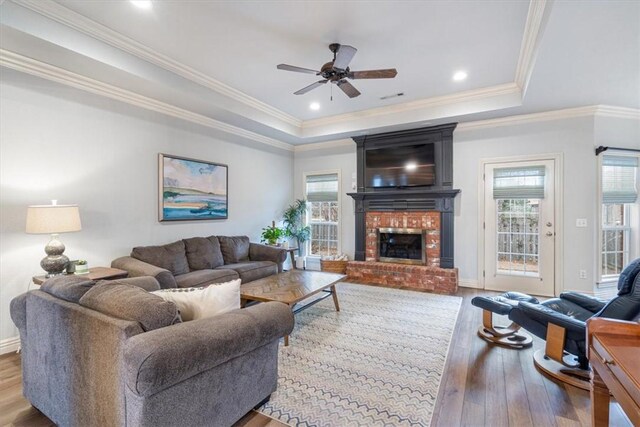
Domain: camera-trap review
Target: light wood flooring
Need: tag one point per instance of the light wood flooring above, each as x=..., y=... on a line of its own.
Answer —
x=483, y=384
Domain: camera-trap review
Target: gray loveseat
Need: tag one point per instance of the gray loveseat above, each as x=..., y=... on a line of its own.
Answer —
x=199, y=261
x=113, y=354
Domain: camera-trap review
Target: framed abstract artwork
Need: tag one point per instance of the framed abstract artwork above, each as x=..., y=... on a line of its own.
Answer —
x=191, y=189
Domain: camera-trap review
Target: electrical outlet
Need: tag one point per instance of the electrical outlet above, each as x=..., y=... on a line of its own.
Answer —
x=581, y=222
x=583, y=274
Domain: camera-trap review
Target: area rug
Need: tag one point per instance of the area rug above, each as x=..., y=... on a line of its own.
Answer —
x=377, y=362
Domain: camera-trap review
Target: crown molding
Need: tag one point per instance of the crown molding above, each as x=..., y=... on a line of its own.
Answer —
x=568, y=113
x=537, y=18
x=439, y=101
x=339, y=143
x=71, y=19
x=617, y=112
x=40, y=69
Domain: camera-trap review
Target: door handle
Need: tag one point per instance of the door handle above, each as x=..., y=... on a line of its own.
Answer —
x=549, y=233
x=549, y=224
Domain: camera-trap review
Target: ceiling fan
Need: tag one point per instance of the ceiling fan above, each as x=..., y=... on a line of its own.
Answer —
x=338, y=71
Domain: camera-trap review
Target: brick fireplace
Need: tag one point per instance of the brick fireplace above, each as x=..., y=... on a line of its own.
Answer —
x=424, y=210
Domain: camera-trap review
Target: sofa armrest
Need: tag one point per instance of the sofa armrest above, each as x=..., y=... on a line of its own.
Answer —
x=259, y=252
x=156, y=360
x=18, y=311
x=137, y=268
x=587, y=302
x=542, y=314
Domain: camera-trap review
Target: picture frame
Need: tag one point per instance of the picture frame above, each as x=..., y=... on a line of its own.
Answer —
x=192, y=189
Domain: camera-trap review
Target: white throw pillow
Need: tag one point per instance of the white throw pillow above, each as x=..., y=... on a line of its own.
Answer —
x=209, y=301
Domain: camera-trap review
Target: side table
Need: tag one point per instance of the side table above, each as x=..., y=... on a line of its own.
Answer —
x=95, y=273
x=293, y=256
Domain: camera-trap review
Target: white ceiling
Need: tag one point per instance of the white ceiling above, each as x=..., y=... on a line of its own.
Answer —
x=240, y=44
x=216, y=59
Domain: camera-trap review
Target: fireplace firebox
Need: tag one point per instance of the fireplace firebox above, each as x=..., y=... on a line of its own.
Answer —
x=403, y=245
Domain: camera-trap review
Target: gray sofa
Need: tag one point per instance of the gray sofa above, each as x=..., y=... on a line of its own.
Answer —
x=199, y=261
x=113, y=354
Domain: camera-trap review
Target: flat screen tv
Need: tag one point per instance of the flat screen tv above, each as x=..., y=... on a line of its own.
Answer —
x=397, y=167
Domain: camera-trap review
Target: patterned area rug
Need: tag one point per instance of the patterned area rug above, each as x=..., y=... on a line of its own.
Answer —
x=377, y=362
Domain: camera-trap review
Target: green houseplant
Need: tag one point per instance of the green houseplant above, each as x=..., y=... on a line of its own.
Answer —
x=270, y=235
x=293, y=220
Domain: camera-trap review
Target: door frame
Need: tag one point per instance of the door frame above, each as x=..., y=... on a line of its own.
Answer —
x=557, y=213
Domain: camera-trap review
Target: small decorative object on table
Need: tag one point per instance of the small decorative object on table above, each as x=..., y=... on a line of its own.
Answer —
x=82, y=267
x=334, y=264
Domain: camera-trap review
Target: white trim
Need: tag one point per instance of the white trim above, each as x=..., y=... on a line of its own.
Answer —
x=426, y=103
x=469, y=283
x=31, y=66
x=304, y=192
x=567, y=113
x=558, y=212
x=339, y=143
x=10, y=345
x=537, y=17
x=71, y=19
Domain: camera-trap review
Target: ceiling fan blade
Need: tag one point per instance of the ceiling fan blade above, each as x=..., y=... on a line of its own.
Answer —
x=348, y=88
x=287, y=67
x=388, y=73
x=310, y=87
x=344, y=55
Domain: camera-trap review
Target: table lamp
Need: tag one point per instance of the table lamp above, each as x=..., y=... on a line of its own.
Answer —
x=53, y=219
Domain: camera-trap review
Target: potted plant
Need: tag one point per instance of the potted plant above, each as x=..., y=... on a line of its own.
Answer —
x=82, y=267
x=293, y=220
x=271, y=235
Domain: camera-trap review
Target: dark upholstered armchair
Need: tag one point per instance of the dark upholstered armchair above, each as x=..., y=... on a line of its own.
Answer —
x=561, y=321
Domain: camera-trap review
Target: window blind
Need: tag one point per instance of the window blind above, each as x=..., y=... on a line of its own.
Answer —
x=619, y=179
x=526, y=182
x=322, y=188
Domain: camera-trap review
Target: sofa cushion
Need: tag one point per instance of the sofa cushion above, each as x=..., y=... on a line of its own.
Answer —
x=131, y=302
x=69, y=288
x=171, y=257
x=254, y=270
x=205, y=277
x=207, y=301
x=203, y=253
x=234, y=248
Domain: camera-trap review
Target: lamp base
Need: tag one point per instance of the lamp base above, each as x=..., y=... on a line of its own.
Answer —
x=55, y=262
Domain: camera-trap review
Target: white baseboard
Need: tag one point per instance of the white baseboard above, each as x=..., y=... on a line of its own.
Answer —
x=469, y=283
x=9, y=345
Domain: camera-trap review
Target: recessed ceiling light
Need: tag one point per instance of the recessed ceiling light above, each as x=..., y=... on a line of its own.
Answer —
x=142, y=4
x=460, y=76
x=314, y=106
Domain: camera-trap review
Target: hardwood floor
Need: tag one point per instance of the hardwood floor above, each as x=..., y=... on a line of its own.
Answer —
x=483, y=384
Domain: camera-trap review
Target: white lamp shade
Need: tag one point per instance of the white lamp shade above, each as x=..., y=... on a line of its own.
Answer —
x=51, y=219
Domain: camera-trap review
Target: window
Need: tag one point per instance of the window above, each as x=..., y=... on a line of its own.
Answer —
x=518, y=192
x=323, y=213
x=619, y=240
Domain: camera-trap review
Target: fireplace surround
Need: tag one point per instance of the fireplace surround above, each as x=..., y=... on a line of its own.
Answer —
x=437, y=200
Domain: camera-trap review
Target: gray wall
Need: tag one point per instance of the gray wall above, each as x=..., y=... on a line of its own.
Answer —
x=574, y=138
x=57, y=143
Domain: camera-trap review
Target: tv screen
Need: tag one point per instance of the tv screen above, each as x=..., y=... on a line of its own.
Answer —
x=405, y=166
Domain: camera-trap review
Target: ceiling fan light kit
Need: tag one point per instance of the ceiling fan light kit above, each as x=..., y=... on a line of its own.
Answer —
x=338, y=71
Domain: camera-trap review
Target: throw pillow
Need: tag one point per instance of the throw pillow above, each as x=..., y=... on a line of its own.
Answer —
x=69, y=288
x=131, y=302
x=235, y=249
x=203, y=253
x=171, y=257
x=209, y=301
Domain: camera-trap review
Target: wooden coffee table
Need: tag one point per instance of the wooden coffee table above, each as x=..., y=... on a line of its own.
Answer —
x=292, y=287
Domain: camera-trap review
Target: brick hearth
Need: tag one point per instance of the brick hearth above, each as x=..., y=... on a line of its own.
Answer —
x=418, y=277
x=428, y=277
x=429, y=221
